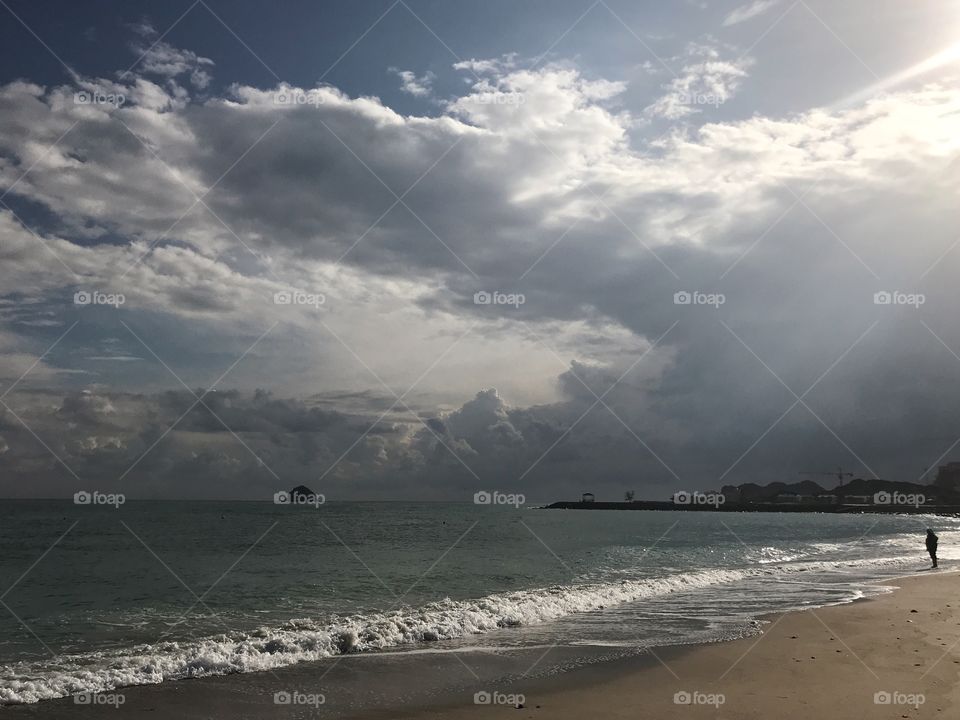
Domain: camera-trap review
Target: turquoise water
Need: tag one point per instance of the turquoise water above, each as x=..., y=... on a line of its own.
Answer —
x=158, y=591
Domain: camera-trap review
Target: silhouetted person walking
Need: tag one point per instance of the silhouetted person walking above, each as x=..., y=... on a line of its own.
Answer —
x=932, y=541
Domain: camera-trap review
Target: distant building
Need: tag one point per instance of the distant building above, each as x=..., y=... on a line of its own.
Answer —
x=587, y=497
x=858, y=499
x=827, y=499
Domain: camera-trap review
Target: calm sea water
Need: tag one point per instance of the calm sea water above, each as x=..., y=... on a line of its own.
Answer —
x=159, y=591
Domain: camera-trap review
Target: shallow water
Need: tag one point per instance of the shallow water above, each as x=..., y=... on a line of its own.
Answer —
x=115, y=602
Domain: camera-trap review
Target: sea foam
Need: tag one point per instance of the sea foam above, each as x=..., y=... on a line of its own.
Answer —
x=304, y=640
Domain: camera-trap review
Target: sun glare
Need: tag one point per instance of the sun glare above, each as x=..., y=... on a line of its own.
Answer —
x=947, y=56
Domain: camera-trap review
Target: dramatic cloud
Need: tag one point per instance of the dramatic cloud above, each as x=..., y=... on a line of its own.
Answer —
x=648, y=306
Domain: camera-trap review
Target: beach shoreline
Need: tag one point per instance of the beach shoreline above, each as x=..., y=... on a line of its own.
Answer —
x=828, y=661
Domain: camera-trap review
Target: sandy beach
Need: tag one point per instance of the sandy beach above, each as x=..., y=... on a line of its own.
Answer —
x=835, y=662
x=894, y=656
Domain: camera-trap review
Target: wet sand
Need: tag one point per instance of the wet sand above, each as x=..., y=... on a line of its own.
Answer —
x=895, y=656
x=824, y=663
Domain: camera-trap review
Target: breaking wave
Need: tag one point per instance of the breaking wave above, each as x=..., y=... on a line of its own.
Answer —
x=306, y=640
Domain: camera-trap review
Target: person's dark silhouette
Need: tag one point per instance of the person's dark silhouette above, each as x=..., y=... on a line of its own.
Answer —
x=932, y=541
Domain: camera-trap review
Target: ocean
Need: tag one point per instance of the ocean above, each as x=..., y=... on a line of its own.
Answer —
x=157, y=592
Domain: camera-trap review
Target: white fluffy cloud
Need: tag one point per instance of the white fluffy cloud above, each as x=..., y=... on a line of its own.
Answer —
x=411, y=83
x=157, y=57
x=200, y=210
x=705, y=82
x=749, y=11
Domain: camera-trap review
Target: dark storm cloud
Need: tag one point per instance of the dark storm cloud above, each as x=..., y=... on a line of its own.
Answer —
x=794, y=222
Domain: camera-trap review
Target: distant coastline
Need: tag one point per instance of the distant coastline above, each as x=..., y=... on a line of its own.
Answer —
x=857, y=496
x=755, y=507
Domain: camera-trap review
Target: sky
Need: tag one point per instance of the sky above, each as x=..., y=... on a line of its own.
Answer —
x=416, y=249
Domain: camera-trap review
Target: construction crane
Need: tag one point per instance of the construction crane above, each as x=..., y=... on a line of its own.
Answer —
x=839, y=474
